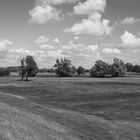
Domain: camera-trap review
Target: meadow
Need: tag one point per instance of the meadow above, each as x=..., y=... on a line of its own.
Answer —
x=80, y=108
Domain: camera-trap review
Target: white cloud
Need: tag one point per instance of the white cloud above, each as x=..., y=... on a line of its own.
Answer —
x=56, y=2
x=41, y=40
x=46, y=46
x=21, y=51
x=93, y=47
x=111, y=51
x=90, y=6
x=72, y=45
x=43, y=13
x=130, y=20
x=76, y=37
x=81, y=54
x=55, y=53
x=56, y=40
x=94, y=25
x=5, y=46
x=5, y=42
x=129, y=40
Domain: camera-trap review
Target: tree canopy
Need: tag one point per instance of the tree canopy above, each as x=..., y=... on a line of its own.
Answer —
x=100, y=69
x=103, y=69
x=28, y=67
x=64, y=67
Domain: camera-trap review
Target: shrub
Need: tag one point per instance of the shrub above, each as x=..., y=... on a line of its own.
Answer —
x=4, y=72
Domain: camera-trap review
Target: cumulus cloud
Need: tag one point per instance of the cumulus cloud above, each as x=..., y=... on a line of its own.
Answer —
x=90, y=6
x=5, y=42
x=45, y=54
x=56, y=40
x=55, y=53
x=41, y=40
x=44, y=13
x=21, y=52
x=5, y=46
x=130, y=20
x=82, y=54
x=76, y=37
x=128, y=40
x=111, y=51
x=47, y=46
x=94, y=25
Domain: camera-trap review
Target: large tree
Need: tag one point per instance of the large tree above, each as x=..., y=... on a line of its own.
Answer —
x=136, y=68
x=80, y=70
x=118, y=68
x=129, y=67
x=64, y=67
x=100, y=69
x=28, y=67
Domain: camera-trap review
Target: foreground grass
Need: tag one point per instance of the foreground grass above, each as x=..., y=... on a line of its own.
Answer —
x=70, y=108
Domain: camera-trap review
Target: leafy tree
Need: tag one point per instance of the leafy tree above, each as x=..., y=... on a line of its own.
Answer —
x=118, y=68
x=63, y=67
x=129, y=67
x=136, y=68
x=28, y=67
x=100, y=69
x=81, y=70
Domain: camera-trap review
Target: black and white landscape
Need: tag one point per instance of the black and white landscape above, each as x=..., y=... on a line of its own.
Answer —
x=69, y=70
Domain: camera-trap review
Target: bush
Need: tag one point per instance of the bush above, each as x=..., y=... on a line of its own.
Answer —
x=4, y=72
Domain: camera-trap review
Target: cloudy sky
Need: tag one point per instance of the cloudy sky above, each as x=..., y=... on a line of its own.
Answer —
x=81, y=30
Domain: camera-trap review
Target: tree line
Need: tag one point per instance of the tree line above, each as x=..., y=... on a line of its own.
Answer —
x=64, y=68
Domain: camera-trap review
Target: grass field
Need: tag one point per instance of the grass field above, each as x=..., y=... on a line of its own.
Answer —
x=52, y=108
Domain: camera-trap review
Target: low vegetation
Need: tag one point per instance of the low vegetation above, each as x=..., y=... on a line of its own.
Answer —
x=4, y=72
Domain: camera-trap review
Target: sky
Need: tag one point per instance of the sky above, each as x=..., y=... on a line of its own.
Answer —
x=83, y=31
